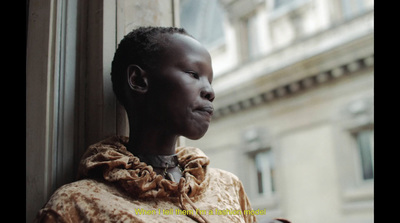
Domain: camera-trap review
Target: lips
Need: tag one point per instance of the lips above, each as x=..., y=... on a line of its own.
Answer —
x=208, y=110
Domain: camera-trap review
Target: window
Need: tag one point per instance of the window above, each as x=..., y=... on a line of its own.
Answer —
x=252, y=37
x=265, y=167
x=249, y=38
x=365, y=146
x=356, y=155
x=358, y=120
x=280, y=3
x=351, y=8
x=359, y=182
x=203, y=20
x=261, y=157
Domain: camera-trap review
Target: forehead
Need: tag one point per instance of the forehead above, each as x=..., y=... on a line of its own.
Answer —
x=185, y=49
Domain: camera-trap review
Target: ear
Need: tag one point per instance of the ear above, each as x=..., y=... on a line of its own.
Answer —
x=137, y=79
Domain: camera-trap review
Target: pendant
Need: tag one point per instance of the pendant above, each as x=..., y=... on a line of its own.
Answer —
x=170, y=176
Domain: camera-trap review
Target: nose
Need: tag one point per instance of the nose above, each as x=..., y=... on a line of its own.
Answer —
x=208, y=93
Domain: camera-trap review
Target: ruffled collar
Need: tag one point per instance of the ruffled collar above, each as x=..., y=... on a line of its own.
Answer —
x=111, y=161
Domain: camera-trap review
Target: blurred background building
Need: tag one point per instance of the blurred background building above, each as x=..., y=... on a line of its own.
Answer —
x=294, y=120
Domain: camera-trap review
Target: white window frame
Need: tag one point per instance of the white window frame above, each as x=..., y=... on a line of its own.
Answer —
x=265, y=157
x=257, y=140
x=354, y=117
x=358, y=168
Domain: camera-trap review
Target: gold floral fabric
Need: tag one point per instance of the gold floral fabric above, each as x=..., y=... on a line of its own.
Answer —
x=115, y=186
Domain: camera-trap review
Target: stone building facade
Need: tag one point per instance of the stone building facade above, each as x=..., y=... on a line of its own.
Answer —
x=294, y=119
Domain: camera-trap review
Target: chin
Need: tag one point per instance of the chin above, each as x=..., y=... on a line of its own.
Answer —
x=195, y=136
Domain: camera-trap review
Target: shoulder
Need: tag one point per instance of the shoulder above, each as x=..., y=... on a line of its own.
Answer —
x=82, y=187
x=226, y=181
x=70, y=200
x=83, y=191
x=223, y=175
x=72, y=193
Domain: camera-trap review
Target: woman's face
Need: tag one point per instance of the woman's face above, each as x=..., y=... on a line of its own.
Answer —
x=180, y=88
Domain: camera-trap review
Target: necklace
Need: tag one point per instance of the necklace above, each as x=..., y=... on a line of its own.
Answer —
x=162, y=161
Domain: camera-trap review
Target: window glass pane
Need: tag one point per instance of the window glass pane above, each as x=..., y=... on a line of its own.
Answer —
x=351, y=8
x=203, y=20
x=252, y=40
x=271, y=169
x=265, y=172
x=279, y=3
x=260, y=169
x=260, y=181
x=365, y=146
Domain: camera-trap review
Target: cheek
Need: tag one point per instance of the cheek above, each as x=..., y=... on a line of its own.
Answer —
x=195, y=126
x=177, y=98
x=184, y=98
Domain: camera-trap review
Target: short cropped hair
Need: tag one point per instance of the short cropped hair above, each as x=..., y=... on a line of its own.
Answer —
x=142, y=46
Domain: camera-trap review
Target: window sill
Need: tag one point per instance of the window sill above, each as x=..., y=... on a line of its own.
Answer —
x=264, y=201
x=359, y=198
x=362, y=192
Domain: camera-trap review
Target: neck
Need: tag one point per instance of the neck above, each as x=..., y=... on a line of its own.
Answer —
x=151, y=140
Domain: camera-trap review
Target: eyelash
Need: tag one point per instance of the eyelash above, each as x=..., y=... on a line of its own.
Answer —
x=193, y=74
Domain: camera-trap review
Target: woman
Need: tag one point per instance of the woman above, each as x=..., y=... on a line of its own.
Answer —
x=162, y=76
